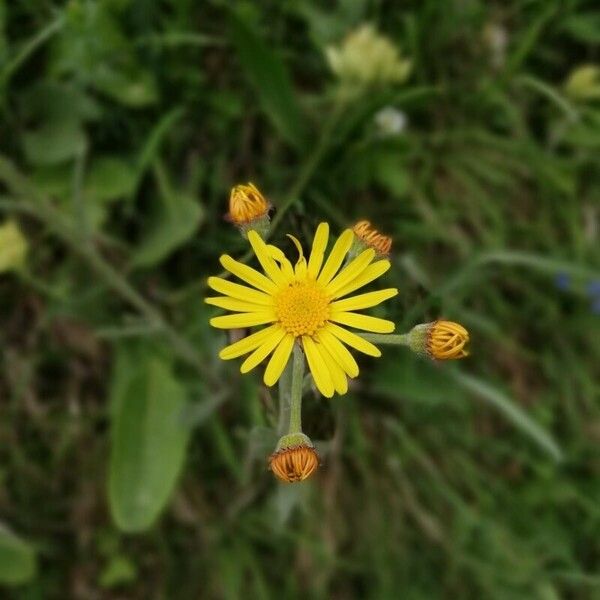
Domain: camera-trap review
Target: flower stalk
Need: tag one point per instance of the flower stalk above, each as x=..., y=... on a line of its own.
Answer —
x=438, y=340
x=296, y=391
x=295, y=458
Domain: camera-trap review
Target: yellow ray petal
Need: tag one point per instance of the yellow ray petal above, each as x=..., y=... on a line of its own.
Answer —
x=265, y=259
x=338, y=253
x=248, y=274
x=300, y=269
x=352, y=271
x=318, y=250
x=373, y=271
x=263, y=350
x=242, y=292
x=338, y=377
x=363, y=300
x=364, y=322
x=281, y=259
x=234, y=304
x=247, y=344
x=318, y=367
x=243, y=320
x=353, y=340
x=338, y=351
x=279, y=360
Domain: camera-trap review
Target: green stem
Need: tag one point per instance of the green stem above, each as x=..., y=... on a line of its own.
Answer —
x=296, y=390
x=400, y=339
x=285, y=399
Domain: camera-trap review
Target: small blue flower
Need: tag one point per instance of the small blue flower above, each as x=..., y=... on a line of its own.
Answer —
x=562, y=281
x=593, y=289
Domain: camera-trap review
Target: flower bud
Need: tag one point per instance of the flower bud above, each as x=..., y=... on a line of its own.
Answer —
x=249, y=209
x=366, y=236
x=439, y=340
x=295, y=458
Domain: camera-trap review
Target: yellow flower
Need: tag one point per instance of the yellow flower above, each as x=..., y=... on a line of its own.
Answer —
x=246, y=204
x=446, y=340
x=370, y=237
x=13, y=247
x=304, y=304
x=294, y=463
x=583, y=83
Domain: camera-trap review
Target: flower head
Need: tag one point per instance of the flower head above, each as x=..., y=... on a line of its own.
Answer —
x=247, y=206
x=13, y=247
x=440, y=340
x=583, y=83
x=306, y=304
x=295, y=458
x=365, y=58
x=369, y=237
x=390, y=121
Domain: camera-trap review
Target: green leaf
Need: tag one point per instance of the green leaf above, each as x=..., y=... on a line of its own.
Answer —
x=584, y=27
x=17, y=559
x=134, y=88
x=120, y=570
x=54, y=142
x=514, y=413
x=149, y=439
x=271, y=80
x=110, y=178
x=174, y=222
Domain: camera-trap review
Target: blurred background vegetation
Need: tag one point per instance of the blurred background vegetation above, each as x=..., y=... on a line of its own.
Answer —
x=133, y=461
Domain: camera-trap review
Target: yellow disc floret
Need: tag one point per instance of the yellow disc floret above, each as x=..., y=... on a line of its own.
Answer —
x=302, y=308
x=446, y=340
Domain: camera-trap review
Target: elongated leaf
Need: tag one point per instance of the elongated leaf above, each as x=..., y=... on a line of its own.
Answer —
x=149, y=439
x=515, y=414
x=174, y=222
x=17, y=559
x=271, y=79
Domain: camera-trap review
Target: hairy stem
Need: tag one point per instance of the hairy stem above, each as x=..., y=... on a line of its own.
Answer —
x=296, y=390
x=400, y=339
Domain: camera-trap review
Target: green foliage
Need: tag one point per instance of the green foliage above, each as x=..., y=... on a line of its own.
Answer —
x=149, y=438
x=17, y=559
x=123, y=125
x=271, y=81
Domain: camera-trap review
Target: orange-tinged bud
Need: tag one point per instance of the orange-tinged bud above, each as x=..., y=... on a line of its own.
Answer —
x=446, y=340
x=295, y=458
x=370, y=237
x=247, y=204
x=440, y=340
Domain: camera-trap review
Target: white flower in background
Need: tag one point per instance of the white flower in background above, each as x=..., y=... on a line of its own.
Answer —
x=365, y=58
x=583, y=83
x=495, y=37
x=390, y=121
x=13, y=247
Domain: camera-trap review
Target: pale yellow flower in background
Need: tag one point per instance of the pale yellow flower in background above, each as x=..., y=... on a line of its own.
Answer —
x=367, y=58
x=305, y=304
x=13, y=247
x=583, y=83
